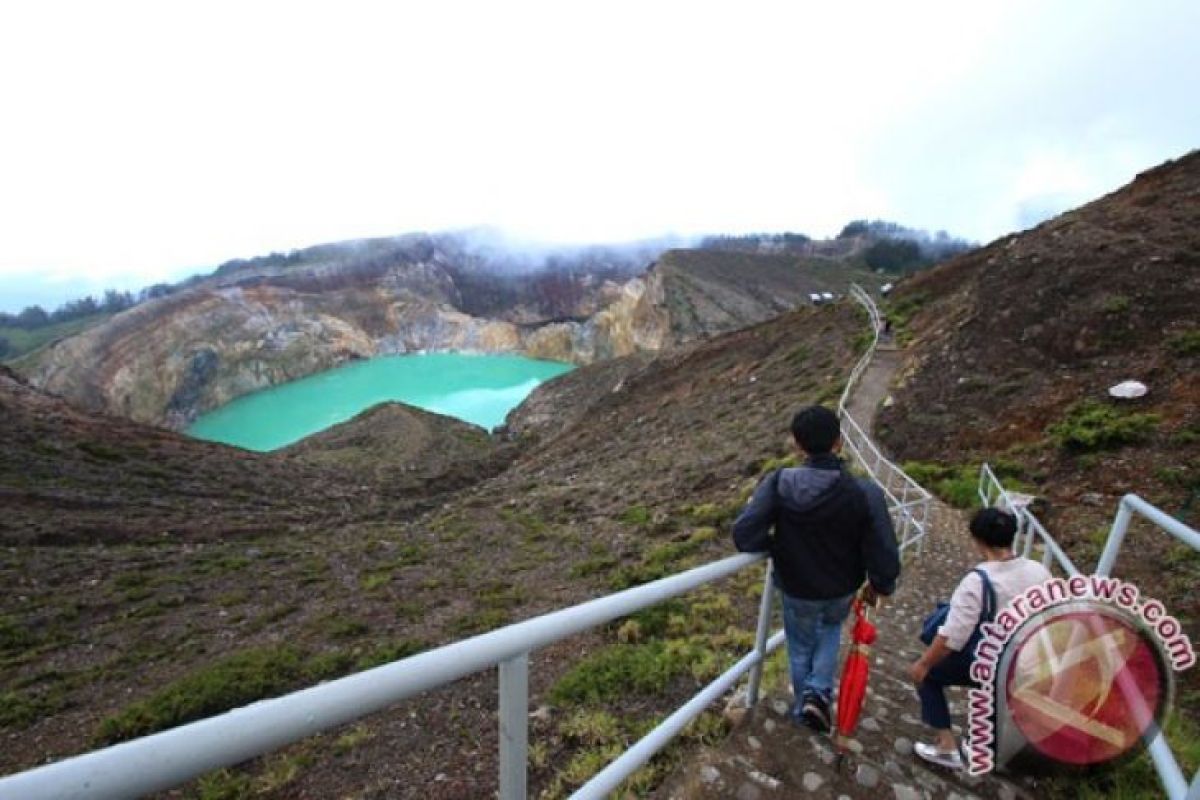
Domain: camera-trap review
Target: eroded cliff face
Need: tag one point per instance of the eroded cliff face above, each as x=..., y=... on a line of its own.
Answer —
x=167, y=361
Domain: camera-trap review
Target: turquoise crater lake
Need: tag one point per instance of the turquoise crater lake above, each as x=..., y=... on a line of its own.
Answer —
x=480, y=389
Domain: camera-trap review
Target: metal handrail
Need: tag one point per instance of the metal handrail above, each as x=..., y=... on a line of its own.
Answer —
x=911, y=517
x=992, y=492
x=162, y=760
x=1029, y=528
x=170, y=758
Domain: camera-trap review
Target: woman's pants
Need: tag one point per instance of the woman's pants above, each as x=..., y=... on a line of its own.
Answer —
x=953, y=670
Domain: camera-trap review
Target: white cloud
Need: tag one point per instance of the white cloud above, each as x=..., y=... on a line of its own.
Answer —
x=147, y=138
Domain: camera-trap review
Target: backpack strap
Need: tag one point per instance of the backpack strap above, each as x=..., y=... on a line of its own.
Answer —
x=987, y=612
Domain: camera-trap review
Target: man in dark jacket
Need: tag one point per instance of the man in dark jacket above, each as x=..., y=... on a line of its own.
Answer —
x=831, y=532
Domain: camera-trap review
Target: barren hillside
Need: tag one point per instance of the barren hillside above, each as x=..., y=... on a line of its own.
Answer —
x=1013, y=349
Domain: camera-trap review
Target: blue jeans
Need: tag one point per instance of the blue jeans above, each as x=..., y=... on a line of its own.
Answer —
x=814, y=632
x=953, y=670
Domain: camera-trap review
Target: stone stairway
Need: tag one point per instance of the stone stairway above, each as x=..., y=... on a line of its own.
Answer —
x=766, y=756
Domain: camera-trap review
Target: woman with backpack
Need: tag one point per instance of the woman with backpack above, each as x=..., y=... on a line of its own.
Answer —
x=952, y=631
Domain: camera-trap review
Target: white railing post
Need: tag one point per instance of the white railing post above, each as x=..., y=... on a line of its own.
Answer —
x=760, y=636
x=1116, y=537
x=514, y=727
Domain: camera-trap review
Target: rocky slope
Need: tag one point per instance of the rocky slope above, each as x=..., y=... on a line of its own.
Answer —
x=69, y=476
x=262, y=322
x=1015, y=346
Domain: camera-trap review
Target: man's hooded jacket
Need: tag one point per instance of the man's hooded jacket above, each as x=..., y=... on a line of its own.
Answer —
x=832, y=531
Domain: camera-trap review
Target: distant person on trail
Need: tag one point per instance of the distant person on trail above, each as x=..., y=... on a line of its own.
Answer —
x=832, y=532
x=1001, y=576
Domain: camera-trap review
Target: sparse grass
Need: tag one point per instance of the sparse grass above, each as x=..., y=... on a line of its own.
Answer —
x=224, y=784
x=659, y=562
x=337, y=626
x=1185, y=343
x=352, y=738
x=636, y=515
x=1091, y=426
x=373, y=581
x=13, y=635
x=239, y=679
x=100, y=451
x=500, y=595
x=22, y=709
x=228, y=683
x=592, y=566
x=531, y=527
x=480, y=620
x=1116, y=304
x=389, y=652
x=782, y=462
x=1186, y=434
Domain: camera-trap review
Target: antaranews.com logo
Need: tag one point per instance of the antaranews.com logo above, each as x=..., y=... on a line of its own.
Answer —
x=1079, y=670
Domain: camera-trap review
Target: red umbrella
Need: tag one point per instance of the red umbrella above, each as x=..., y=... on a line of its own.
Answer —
x=852, y=691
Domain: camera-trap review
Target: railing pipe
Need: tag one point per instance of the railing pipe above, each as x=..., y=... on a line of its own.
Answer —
x=760, y=636
x=1167, y=767
x=609, y=778
x=514, y=727
x=1129, y=505
x=167, y=759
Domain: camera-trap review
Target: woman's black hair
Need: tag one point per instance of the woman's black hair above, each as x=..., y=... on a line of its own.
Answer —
x=994, y=527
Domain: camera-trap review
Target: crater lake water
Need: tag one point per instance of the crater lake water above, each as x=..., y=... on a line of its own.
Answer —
x=480, y=389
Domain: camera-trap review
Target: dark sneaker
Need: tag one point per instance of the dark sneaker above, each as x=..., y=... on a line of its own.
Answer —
x=815, y=713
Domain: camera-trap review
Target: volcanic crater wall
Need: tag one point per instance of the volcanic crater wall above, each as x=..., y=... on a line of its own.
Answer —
x=167, y=361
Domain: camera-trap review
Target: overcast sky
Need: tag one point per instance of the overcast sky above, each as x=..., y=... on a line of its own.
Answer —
x=141, y=141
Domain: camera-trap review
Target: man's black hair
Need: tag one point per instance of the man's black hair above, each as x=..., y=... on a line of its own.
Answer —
x=815, y=429
x=994, y=527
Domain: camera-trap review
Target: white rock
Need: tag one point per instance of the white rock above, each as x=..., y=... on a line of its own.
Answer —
x=710, y=774
x=866, y=776
x=869, y=724
x=1128, y=390
x=754, y=742
x=903, y=746
x=769, y=725
x=904, y=792
x=812, y=781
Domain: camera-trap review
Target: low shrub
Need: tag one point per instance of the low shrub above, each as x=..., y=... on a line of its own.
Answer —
x=616, y=670
x=1092, y=426
x=231, y=682
x=956, y=484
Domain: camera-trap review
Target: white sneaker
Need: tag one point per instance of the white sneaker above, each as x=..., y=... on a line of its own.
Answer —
x=934, y=755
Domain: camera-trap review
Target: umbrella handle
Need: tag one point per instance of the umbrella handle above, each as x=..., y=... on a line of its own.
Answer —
x=861, y=609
